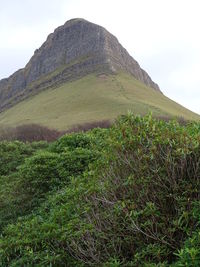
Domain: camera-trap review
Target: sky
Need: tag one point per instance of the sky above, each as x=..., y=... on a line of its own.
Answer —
x=162, y=35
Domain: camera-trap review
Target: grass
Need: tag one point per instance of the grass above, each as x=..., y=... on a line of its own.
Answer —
x=92, y=98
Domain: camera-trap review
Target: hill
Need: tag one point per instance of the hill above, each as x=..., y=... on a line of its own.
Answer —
x=81, y=74
x=92, y=98
x=72, y=51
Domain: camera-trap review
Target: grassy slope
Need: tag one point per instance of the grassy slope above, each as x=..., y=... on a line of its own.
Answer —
x=91, y=98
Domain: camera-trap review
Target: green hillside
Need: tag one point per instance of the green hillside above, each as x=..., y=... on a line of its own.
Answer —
x=92, y=98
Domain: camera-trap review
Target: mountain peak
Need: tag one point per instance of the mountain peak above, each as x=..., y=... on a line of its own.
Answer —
x=75, y=20
x=73, y=50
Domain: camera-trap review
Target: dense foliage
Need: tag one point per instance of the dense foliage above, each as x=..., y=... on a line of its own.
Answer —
x=124, y=196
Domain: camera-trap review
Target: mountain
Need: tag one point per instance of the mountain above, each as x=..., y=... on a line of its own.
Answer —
x=74, y=51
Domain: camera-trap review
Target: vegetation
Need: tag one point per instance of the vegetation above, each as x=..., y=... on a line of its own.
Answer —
x=30, y=133
x=36, y=132
x=78, y=102
x=128, y=195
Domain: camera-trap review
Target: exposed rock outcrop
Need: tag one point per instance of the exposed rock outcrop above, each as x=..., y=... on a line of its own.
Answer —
x=71, y=51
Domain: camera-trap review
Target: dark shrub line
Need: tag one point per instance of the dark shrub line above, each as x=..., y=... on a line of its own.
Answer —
x=37, y=132
x=104, y=124
x=29, y=133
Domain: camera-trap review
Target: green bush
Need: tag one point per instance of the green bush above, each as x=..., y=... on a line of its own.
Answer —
x=12, y=154
x=73, y=163
x=137, y=204
x=40, y=239
x=189, y=255
x=39, y=174
x=146, y=187
x=47, y=171
x=70, y=142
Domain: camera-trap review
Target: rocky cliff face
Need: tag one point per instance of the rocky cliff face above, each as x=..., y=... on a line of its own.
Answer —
x=73, y=50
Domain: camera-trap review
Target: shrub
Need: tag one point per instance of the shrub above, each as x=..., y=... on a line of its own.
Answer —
x=180, y=120
x=137, y=205
x=142, y=208
x=39, y=174
x=47, y=171
x=73, y=163
x=104, y=124
x=12, y=154
x=30, y=133
x=189, y=255
x=70, y=142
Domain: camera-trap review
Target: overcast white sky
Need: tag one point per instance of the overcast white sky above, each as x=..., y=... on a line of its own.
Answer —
x=162, y=35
